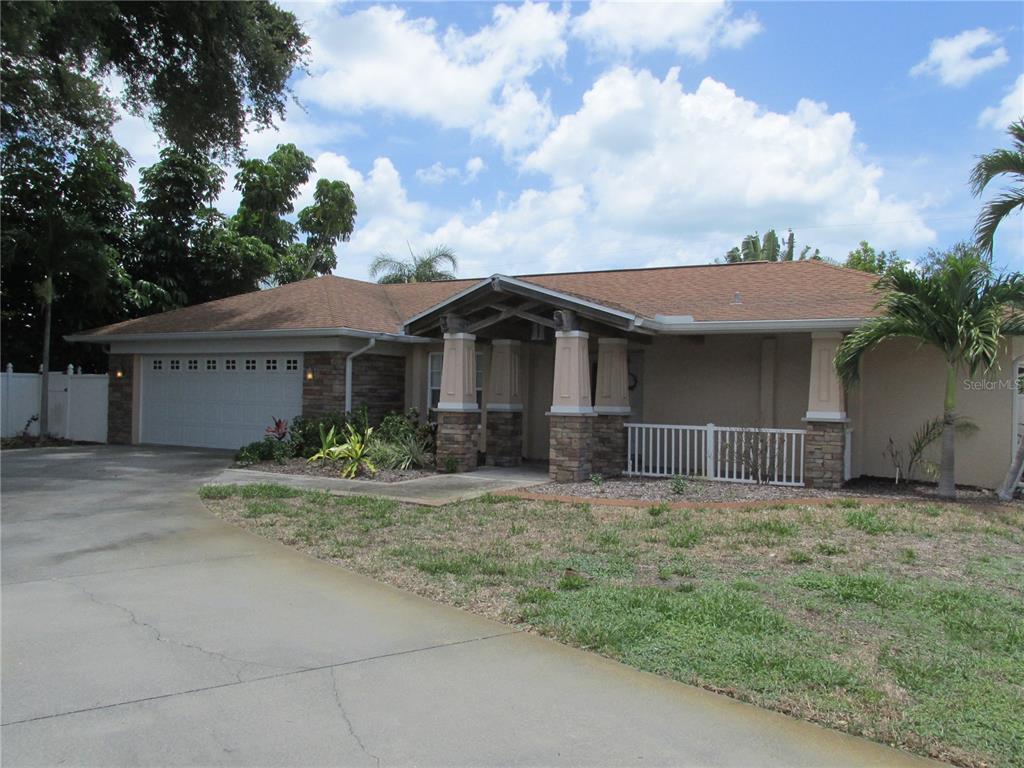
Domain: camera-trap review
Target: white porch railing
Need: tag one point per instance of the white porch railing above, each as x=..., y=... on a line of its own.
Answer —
x=736, y=454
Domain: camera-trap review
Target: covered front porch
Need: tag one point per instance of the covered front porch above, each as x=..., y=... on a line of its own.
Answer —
x=520, y=373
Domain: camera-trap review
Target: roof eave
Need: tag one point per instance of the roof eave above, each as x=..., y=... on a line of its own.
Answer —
x=109, y=338
x=700, y=327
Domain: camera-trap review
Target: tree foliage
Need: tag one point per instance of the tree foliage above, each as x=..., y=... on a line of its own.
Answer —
x=769, y=248
x=201, y=72
x=426, y=267
x=993, y=165
x=867, y=259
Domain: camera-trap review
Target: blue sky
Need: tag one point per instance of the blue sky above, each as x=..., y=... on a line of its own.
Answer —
x=536, y=138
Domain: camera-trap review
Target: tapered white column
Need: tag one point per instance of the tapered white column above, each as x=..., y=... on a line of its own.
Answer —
x=612, y=396
x=571, y=392
x=458, y=373
x=825, y=398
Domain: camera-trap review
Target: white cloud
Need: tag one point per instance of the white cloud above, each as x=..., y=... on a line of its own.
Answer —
x=691, y=29
x=474, y=166
x=957, y=60
x=401, y=65
x=1009, y=109
x=438, y=173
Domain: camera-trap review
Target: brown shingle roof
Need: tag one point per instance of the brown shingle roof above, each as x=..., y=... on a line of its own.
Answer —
x=767, y=291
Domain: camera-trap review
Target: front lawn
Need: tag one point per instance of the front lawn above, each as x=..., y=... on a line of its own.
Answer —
x=903, y=622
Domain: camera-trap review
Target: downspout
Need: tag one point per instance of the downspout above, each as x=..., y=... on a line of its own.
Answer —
x=348, y=372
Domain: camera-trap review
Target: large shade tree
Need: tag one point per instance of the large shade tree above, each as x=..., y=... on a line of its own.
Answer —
x=425, y=267
x=956, y=304
x=202, y=73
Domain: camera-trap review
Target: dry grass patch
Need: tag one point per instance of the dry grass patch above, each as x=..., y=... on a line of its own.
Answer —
x=903, y=622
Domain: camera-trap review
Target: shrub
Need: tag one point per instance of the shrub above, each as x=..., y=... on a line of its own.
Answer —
x=678, y=485
x=267, y=449
x=278, y=428
x=405, y=452
x=354, y=453
x=304, y=435
x=658, y=510
x=597, y=479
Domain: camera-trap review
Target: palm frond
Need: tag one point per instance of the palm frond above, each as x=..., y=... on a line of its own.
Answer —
x=994, y=164
x=992, y=215
x=867, y=337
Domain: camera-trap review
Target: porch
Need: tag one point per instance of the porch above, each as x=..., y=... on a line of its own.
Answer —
x=515, y=375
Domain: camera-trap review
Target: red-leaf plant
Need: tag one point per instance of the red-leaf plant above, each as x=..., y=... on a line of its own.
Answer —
x=279, y=429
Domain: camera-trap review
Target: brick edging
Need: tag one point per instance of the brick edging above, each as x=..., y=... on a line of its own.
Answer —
x=640, y=503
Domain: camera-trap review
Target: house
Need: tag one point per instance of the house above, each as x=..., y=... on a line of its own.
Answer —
x=554, y=367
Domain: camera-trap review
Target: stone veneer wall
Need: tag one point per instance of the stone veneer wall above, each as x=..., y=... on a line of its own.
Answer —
x=378, y=382
x=120, y=398
x=457, y=439
x=609, y=458
x=571, y=451
x=504, y=438
x=824, y=448
x=326, y=392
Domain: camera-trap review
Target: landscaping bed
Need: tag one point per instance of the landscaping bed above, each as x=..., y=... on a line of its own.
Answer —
x=900, y=621
x=702, y=491
x=331, y=469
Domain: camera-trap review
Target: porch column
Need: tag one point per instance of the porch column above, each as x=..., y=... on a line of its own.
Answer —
x=572, y=414
x=612, y=406
x=825, y=444
x=504, y=405
x=458, y=417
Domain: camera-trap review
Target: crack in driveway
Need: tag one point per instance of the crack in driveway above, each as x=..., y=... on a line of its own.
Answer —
x=225, y=660
x=347, y=719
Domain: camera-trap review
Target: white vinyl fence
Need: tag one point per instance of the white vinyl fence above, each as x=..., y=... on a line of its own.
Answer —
x=77, y=408
x=736, y=454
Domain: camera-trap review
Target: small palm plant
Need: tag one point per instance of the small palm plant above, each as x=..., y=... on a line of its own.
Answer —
x=423, y=268
x=998, y=163
x=955, y=304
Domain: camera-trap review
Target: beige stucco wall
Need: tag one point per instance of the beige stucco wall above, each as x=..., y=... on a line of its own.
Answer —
x=717, y=379
x=902, y=386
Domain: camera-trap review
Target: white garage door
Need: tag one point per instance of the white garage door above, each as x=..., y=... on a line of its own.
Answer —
x=217, y=401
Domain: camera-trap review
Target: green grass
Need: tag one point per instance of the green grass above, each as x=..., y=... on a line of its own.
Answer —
x=766, y=531
x=252, y=491
x=870, y=522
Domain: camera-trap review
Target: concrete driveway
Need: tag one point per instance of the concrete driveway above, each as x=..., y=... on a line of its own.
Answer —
x=140, y=630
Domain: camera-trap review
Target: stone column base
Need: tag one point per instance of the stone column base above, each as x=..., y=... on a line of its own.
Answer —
x=824, y=448
x=571, y=450
x=504, y=438
x=609, y=452
x=457, y=439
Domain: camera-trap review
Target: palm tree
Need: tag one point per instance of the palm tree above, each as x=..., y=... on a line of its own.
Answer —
x=769, y=248
x=425, y=268
x=955, y=304
x=989, y=166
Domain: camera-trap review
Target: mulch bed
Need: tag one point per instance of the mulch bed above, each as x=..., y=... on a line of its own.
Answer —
x=316, y=469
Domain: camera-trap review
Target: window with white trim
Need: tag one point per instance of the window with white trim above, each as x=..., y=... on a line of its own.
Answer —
x=229, y=365
x=291, y=365
x=211, y=365
x=158, y=365
x=250, y=365
x=434, y=364
x=271, y=364
x=175, y=365
x=193, y=365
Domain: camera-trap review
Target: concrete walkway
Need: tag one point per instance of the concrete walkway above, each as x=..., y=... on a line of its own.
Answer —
x=433, y=490
x=138, y=629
